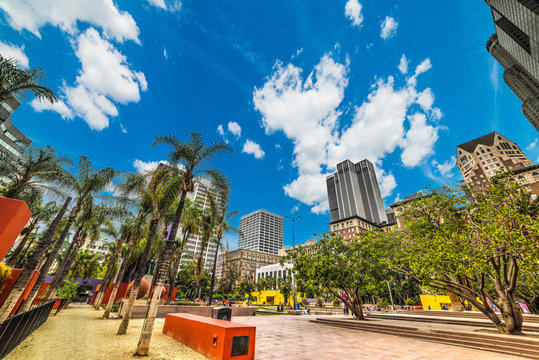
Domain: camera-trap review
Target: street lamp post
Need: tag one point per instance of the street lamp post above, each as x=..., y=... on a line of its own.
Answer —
x=293, y=248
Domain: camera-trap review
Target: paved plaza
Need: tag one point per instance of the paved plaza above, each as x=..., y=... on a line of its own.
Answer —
x=294, y=337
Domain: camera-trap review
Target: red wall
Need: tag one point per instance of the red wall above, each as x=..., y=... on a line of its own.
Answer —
x=9, y=283
x=15, y=215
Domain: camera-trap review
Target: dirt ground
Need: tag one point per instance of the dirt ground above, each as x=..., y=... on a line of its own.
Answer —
x=78, y=332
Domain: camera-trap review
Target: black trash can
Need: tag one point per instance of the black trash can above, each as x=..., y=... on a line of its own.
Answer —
x=222, y=313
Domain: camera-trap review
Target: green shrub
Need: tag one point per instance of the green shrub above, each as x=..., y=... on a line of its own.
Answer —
x=336, y=302
x=305, y=302
x=410, y=301
x=383, y=303
x=319, y=302
x=68, y=290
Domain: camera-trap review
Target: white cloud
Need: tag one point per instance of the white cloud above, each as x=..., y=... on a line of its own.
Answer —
x=142, y=166
x=307, y=109
x=532, y=145
x=31, y=15
x=294, y=209
x=124, y=130
x=277, y=146
x=175, y=5
x=352, y=10
x=419, y=141
x=10, y=51
x=220, y=130
x=388, y=28
x=403, y=65
x=105, y=78
x=446, y=168
x=420, y=69
x=60, y=107
x=495, y=74
x=234, y=128
x=250, y=147
x=165, y=54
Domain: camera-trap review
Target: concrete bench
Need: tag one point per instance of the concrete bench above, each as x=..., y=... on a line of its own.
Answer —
x=213, y=338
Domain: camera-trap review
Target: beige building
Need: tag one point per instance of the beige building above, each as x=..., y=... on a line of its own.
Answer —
x=247, y=261
x=480, y=159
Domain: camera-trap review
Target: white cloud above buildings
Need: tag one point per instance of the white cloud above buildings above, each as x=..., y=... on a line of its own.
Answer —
x=234, y=128
x=532, y=145
x=147, y=166
x=250, y=147
x=446, y=168
x=105, y=78
x=10, y=51
x=403, y=65
x=306, y=108
x=175, y=5
x=352, y=10
x=31, y=15
x=388, y=29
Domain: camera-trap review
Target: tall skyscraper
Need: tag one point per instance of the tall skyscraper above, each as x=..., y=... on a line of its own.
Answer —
x=480, y=159
x=515, y=45
x=353, y=191
x=12, y=141
x=261, y=231
x=200, y=196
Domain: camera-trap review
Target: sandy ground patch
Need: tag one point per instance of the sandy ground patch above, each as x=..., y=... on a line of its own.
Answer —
x=79, y=333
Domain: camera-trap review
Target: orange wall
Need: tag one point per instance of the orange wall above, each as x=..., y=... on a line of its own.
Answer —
x=15, y=215
x=9, y=283
x=209, y=337
x=26, y=292
x=119, y=295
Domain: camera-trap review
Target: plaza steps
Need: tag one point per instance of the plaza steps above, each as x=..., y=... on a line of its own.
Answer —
x=516, y=346
x=437, y=320
x=461, y=314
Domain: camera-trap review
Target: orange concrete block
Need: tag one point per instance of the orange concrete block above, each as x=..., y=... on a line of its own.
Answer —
x=25, y=292
x=8, y=284
x=212, y=338
x=14, y=214
x=42, y=289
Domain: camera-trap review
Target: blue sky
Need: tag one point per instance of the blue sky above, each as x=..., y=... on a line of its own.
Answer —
x=294, y=86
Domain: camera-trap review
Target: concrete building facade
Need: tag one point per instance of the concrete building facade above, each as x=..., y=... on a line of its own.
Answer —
x=276, y=271
x=12, y=141
x=261, y=231
x=480, y=159
x=246, y=261
x=353, y=192
x=515, y=45
x=200, y=196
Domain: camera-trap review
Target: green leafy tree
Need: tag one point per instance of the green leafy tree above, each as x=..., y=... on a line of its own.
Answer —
x=68, y=290
x=476, y=250
x=345, y=268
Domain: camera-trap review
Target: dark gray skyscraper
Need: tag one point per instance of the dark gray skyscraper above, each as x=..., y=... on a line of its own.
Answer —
x=515, y=45
x=353, y=191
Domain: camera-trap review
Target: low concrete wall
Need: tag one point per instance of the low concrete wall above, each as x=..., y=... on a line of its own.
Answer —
x=139, y=310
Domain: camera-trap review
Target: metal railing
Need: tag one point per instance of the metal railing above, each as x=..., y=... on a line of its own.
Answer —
x=18, y=327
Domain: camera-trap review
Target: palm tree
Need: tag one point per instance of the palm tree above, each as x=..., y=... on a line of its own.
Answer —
x=191, y=224
x=192, y=155
x=36, y=170
x=132, y=231
x=85, y=266
x=18, y=83
x=209, y=222
x=157, y=191
x=86, y=184
x=223, y=226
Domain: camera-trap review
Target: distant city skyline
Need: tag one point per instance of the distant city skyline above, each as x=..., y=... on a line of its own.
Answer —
x=398, y=83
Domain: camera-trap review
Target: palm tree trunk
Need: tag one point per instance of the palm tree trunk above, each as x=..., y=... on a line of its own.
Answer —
x=11, y=259
x=65, y=265
x=51, y=258
x=20, y=261
x=212, y=284
x=30, y=266
x=139, y=274
x=147, y=329
x=117, y=282
x=175, y=267
x=109, y=274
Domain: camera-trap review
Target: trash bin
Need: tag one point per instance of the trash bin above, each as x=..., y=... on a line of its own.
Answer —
x=222, y=313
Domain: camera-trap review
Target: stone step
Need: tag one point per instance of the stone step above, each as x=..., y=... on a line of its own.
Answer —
x=473, y=315
x=517, y=346
x=431, y=319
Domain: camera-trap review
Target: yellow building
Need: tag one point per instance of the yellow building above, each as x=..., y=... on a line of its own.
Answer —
x=434, y=302
x=273, y=297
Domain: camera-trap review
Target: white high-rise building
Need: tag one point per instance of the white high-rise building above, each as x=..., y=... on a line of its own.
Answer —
x=261, y=231
x=200, y=196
